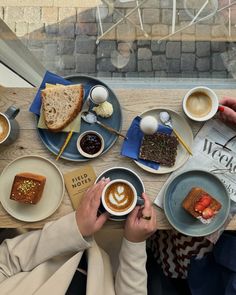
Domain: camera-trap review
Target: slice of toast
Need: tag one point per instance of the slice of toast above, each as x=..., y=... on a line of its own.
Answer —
x=160, y=148
x=61, y=105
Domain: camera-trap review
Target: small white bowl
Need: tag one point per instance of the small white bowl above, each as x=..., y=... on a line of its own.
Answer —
x=82, y=152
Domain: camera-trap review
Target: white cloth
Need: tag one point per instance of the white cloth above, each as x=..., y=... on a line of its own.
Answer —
x=43, y=262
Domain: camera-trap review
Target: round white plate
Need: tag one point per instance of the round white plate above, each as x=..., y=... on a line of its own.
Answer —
x=183, y=128
x=52, y=194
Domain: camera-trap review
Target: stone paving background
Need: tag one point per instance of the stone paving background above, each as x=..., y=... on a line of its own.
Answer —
x=63, y=38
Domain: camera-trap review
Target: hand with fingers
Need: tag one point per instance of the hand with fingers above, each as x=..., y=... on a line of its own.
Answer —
x=141, y=222
x=86, y=214
x=228, y=110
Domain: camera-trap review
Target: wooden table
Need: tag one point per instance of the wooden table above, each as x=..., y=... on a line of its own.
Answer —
x=133, y=102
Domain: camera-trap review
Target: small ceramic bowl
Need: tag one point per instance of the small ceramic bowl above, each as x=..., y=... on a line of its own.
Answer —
x=90, y=144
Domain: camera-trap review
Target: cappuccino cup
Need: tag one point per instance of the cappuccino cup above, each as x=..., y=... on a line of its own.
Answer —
x=9, y=128
x=200, y=103
x=119, y=197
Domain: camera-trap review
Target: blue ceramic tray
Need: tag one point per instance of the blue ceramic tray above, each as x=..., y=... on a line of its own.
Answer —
x=177, y=190
x=54, y=141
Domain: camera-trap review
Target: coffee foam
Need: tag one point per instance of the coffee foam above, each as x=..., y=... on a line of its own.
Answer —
x=199, y=104
x=119, y=196
x=4, y=128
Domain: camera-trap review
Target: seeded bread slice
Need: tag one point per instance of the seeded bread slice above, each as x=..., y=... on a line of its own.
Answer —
x=61, y=105
x=160, y=148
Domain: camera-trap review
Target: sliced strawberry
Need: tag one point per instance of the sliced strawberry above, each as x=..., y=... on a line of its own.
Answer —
x=205, y=200
x=207, y=213
x=199, y=207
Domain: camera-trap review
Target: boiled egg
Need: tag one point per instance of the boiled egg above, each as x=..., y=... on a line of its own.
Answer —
x=149, y=125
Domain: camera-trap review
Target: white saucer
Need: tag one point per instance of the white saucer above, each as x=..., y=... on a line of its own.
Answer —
x=52, y=195
x=183, y=128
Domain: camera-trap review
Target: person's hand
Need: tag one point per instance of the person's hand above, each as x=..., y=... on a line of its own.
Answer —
x=137, y=228
x=86, y=214
x=228, y=113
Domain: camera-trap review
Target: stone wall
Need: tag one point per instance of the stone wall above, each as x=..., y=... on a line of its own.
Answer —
x=63, y=34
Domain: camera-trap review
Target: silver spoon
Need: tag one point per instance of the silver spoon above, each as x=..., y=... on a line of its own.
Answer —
x=166, y=120
x=91, y=118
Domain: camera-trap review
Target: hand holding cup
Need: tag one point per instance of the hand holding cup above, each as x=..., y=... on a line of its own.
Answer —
x=141, y=222
x=228, y=112
x=86, y=214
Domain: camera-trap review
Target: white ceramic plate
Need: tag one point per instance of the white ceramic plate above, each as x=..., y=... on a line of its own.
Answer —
x=183, y=128
x=52, y=194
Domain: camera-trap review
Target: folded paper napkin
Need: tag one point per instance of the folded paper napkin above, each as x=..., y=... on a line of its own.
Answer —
x=131, y=146
x=53, y=79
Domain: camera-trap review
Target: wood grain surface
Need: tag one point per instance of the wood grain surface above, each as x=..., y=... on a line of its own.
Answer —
x=133, y=102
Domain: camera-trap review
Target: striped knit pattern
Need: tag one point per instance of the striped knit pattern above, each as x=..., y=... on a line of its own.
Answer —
x=173, y=251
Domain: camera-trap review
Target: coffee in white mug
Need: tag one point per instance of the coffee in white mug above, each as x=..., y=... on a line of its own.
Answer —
x=119, y=196
x=9, y=128
x=4, y=128
x=199, y=104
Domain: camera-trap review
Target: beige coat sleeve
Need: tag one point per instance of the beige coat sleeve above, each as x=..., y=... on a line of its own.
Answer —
x=131, y=277
x=27, y=251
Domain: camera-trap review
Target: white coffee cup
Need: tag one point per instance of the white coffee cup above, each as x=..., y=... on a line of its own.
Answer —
x=119, y=201
x=200, y=103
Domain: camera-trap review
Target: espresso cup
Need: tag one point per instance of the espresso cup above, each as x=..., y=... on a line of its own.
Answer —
x=9, y=128
x=119, y=197
x=98, y=94
x=200, y=103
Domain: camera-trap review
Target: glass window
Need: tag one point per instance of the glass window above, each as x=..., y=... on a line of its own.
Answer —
x=129, y=39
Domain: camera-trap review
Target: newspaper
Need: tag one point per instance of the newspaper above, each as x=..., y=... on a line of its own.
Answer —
x=208, y=156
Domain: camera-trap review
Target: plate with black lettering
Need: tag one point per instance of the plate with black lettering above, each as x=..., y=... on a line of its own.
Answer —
x=177, y=190
x=126, y=174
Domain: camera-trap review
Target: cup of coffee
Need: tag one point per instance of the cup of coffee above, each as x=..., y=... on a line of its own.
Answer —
x=200, y=103
x=98, y=94
x=119, y=197
x=9, y=128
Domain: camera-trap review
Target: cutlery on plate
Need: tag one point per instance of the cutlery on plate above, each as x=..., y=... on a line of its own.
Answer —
x=166, y=120
x=91, y=118
x=85, y=108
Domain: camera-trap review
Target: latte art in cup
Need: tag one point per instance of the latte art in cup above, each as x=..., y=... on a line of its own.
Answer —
x=119, y=197
x=199, y=104
x=4, y=128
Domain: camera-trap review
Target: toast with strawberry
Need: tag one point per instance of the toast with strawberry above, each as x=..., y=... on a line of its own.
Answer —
x=201, y=205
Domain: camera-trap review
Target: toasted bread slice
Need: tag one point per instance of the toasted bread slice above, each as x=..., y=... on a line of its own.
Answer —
x=61, y=105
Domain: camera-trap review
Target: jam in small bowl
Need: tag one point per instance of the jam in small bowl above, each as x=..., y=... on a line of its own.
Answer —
x=90, y=144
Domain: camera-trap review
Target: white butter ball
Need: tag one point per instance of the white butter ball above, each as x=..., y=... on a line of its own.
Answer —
x=149, y=125
x=99, y=94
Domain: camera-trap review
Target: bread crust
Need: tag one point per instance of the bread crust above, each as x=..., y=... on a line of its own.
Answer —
x=56, y=126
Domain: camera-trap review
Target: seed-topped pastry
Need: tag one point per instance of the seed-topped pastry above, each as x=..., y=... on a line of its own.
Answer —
x=27, y=188
x=160, y=148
